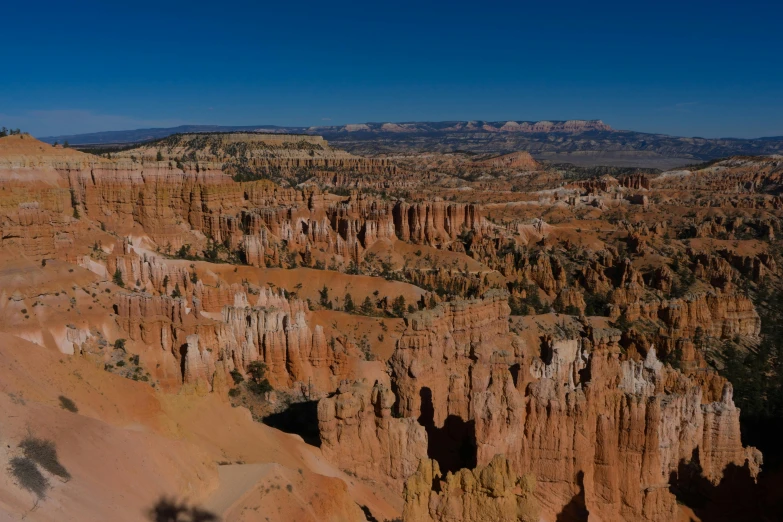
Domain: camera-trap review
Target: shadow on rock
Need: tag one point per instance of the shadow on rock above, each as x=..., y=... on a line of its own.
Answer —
x=452, y=446
x=300, y=418
x=737, y=498
x=576, y=509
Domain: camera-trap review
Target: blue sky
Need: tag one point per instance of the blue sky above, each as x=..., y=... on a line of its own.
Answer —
x=692, y=68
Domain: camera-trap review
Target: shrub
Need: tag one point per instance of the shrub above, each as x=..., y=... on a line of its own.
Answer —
x=119, y=344
x=259, y=388
x=117, y=278
x=29, y=477
x=236, y=376
x=234, y=392
x=44, y=453
x=68, y=404
x=258, y=383
x=596, y=304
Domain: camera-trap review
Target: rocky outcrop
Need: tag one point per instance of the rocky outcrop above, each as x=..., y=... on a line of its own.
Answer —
x=720, y=315
x=37, y=213
x=437, y=351
x=360, y=435
x=515, y=160
x=436, y=222
x=486, y=494
x=597, y=431
x=618, y=436
x=595, y=185
x=635, y=182
x=275, y=331
x=154, y=320
x=198, y=367
x=238, y=153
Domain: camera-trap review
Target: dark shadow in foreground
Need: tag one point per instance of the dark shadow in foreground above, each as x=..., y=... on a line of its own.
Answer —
x=169, y=510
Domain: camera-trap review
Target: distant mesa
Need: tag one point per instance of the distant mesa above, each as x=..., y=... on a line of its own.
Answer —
x=579, y=142
x=141, y=135
x=353, y=127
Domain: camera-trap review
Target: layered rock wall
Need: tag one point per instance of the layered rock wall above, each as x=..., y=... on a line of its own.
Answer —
x=592, y=427
x=275, y=331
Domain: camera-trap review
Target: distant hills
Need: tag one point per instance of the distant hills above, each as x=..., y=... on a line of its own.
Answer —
x=356, y=129
x=127, y=137
x=582, y=142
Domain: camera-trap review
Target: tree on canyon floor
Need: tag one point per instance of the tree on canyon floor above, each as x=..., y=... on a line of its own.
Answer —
x=258, y=382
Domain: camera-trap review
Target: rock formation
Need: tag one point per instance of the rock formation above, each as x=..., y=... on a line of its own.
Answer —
x=274, y=331
x=359, y=434
x=487, y=493
x=588, y=424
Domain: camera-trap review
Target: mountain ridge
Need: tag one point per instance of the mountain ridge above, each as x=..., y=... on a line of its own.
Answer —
x=583, y=142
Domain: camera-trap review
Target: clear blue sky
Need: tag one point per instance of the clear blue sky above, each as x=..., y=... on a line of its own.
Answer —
x=686, y=67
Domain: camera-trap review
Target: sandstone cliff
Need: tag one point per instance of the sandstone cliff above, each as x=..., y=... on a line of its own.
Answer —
x=595, y=429
x=275, y=331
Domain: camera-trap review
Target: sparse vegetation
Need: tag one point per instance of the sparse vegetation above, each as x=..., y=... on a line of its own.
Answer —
x=398, y=306
x=348, y=303
x=44, y=453
x=236, y=376
x=28, y=476
x=9, y=132
x=117, y=278
x=530, y=304
x=367, y=307
x=258, y=382
x=324, y=298
x=68, y=404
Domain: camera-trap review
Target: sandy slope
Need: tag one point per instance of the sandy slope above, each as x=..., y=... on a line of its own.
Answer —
x=129, y=445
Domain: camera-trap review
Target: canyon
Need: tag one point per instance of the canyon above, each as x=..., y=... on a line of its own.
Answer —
x=345, y=327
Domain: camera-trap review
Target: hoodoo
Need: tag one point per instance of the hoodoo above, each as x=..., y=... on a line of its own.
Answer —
x=264, y=323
